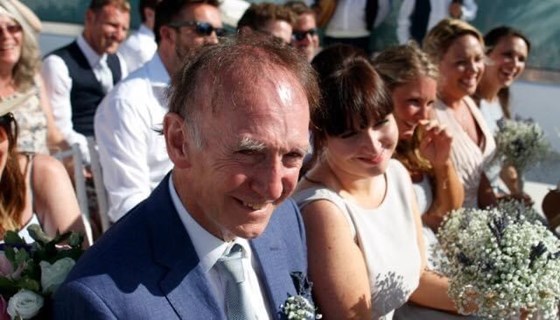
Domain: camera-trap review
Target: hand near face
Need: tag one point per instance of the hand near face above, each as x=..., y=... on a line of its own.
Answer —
x=435, y=143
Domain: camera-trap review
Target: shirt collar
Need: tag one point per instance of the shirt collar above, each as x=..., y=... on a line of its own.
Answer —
x=146, y=31
x=92, y=57
x=158, y=75
x=208, y=248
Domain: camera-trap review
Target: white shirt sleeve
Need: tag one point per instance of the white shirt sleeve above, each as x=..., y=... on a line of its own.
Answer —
x=120, y=132
x=403, y=20
x=58, y=85
x=469, y=10
x=124, y=67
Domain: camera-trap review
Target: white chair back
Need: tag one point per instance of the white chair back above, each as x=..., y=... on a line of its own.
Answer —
x=102, y=199
x=79, y=184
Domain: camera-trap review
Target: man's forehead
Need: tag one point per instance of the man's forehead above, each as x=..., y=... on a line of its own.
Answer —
x=192, y=10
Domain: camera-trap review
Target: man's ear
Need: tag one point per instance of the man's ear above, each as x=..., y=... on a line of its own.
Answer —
x=90, y=17
x=167, y=33
x=177, y=140
x=245, y=31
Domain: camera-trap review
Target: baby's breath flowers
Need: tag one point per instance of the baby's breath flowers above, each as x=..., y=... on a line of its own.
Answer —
x=299, y=308
x=502, y=260
x=521, y=142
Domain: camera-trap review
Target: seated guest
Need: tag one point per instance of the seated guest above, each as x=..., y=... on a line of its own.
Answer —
x=34, y=189
x=141, y=45
x=268, y=18
x=305, y=35
x=22, y=82
x=237, y=132
x=457, y=48
x=424, y=149
x=131, y=150
x=364, y=233
x=507, y=50
x=79, y=75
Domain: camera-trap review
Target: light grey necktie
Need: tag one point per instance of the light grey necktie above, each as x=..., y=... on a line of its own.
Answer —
x=105, y=75
x=238, y=305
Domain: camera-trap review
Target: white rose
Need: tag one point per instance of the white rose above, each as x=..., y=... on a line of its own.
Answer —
x=25, y=304
x=52, y=275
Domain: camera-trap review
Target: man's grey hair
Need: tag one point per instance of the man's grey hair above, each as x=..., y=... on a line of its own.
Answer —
x=200, y=83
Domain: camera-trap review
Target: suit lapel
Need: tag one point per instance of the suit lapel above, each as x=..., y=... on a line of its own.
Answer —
x=271, y=254
x=185, y=284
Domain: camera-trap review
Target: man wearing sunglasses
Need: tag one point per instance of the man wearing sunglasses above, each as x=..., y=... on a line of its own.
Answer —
x=131, y=151
x=269, y=19
x=305, y=36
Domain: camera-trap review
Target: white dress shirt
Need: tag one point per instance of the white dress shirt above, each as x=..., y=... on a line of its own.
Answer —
x=138, y=48
x=349, y=18
x=58, y=85
x=209, y=249
x=132, y=154
x=439, y=10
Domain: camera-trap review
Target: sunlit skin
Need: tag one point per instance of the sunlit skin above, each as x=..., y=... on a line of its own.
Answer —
x=186, y=38
x=461, y=68
x=4, y=145
x=412, y=102
x=106, y=29
x=363, y=153
x=280, y=29
x=309, y=45
x=506, y=61
x=10, y=44
x=253, y=148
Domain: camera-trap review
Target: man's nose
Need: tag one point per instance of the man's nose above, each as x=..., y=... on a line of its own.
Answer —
x=268, y=180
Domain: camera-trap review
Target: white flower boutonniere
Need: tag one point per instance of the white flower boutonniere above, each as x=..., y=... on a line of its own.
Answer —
x=300, y=307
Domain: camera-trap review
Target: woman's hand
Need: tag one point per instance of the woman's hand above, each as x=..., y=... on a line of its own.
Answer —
x=435, y=142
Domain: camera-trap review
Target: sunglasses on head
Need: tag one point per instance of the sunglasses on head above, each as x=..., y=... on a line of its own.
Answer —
x=300, y=35
x=204, y=29
x=12, y=28
x=8, y=124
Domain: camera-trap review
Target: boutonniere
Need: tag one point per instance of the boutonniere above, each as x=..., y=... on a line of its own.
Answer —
x=300, y=307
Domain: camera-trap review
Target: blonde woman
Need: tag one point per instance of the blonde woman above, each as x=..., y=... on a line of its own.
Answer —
x=457, y=48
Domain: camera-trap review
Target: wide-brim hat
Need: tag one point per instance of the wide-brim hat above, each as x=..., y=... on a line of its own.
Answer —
x=11, y=103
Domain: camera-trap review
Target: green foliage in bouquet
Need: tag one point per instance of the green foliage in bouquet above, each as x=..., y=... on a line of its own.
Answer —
x=29, y=273
x=502, y=260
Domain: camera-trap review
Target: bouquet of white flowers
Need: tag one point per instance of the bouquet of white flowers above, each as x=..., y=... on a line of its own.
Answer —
x=521, y=142
x=502, y=260
x=30, y=273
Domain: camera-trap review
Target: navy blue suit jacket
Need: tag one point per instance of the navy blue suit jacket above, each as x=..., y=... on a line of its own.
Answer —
x=145, y=267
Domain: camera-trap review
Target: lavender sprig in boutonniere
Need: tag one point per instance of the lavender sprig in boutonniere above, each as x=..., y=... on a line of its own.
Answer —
x=300, y=307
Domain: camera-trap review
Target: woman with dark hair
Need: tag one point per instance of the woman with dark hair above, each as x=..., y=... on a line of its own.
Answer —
x=34, y=189
x=456, y=48
x=365, y=247
x=506, y=51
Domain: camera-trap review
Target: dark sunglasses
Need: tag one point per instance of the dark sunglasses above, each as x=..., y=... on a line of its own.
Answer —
x=300, y=35
x=12, y=28
x=204, y=29
x=8, y=124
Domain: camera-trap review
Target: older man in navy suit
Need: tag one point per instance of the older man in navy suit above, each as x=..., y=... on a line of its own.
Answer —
x=237, y=133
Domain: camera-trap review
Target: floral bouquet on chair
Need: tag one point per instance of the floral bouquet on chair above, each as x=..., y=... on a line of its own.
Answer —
x=502, y=262
x=30, y=273
x=520, y=143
